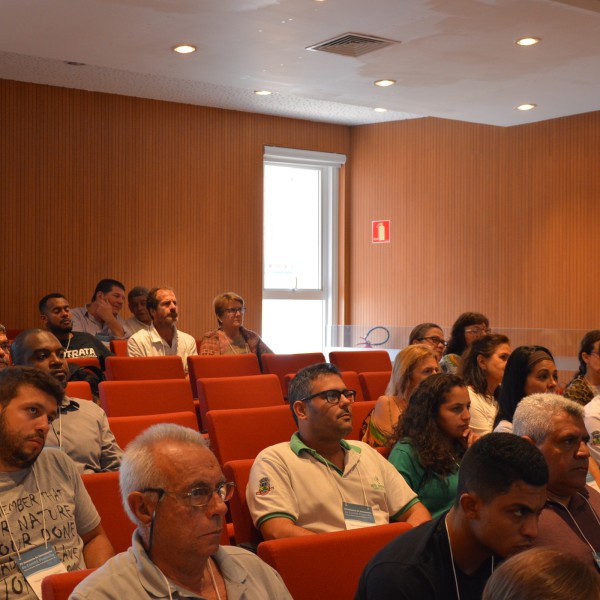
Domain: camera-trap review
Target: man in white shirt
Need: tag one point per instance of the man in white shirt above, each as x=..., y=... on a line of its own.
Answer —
x=163, y=338
x=136, y=301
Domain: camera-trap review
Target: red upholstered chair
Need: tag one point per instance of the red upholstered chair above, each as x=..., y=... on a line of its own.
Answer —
x=244, y=432
x=85, y=361
x=126, y=429
x=359, y=412
x=127, y=368
x=145, y=397
x=79, y=389
x=234, y=365
x=284, y=364
x=118, y=347
x=357, y=545
x=374, y=383
x=361, y=361
x=60, y=586
x=249, y=391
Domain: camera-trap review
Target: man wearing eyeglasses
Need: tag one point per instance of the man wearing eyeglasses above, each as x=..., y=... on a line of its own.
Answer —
x=318, y=481
x=4, y=348
x=162, y=338
x=173, y=489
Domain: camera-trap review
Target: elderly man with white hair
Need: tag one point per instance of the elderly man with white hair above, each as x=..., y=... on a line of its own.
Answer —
x=173, y=489
x=571, y=517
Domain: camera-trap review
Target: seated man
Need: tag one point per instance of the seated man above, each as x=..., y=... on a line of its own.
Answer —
x=501, y=491
x=81, y=429
x=55, y=313
x=173, y=489
x=4, y=348
x=318, y=481
x=136, y=301
x=569, y=520
x=163, y=338
x=101, y=318
x=45, y=506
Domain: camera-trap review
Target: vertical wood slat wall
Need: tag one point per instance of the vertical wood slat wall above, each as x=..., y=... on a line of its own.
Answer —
x=96, y=185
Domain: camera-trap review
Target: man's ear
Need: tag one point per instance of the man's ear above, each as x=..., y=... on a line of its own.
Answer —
x=44, y=320
x=529, y=439
x=471, y=505
x=300, y=410
x=141, y=506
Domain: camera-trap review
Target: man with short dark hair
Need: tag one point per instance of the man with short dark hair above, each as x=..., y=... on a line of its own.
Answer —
x=4, y=348
x=81, y=430
x=318, y=481
x=55, y=313
x=501, y=491
x=45, y=508
x=101, y=318
x=173, y=489
x=136, y=301
x=163, y=338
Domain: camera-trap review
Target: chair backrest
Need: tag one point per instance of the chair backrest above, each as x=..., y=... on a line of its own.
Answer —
x=359, y=412
x=353, y=383
x=126, y=429
x=60, y=586
x=247, y=391
x=118, y=347
x=123, y=368
x=85, y=361
x=244, y=432
x=374, y=383
x=359, y=546
x=243, y=529
x=361, y=360
x=103, y=489
x=228, y=365
x=145, y=397
x=79, y=389
x=284, y=364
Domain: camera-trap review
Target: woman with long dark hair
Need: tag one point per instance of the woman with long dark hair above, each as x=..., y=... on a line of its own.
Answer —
x=586, y=383
x=469, y=327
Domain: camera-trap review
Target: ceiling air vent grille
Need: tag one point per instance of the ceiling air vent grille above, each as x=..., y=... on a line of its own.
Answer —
x=352, y=44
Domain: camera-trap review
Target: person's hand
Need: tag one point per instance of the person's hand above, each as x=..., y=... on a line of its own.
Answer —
x=468, y=438
x=104, y=310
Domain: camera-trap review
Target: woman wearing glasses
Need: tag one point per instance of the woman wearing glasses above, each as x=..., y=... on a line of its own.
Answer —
x=586, y=383
x=231, y=337
x=432, y=438
x=430, y=335
x=412, y=365
x=470, y=326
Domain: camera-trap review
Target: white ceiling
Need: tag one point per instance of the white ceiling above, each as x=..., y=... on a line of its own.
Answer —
x=457, y=58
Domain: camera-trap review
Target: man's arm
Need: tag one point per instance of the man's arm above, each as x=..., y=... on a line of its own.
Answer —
x=103, y=310
x=97, y=548
x=110, y=459
x=282, y=527
x=415, y=515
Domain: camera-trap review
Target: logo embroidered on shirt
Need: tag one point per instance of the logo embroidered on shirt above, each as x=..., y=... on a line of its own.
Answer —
x=377, y=485
x=264, y=487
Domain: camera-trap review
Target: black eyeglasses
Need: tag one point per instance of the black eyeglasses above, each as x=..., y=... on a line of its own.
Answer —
x=333, y=396
x=434, y=339
x=233, y=311
x=199, y=496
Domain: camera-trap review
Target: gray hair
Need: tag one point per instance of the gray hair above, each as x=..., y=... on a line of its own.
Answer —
x=2, y=328
x=533, y=416
x=138, y=467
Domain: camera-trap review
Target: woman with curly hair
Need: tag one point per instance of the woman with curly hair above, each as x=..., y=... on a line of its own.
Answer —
x=432, y=438
x=468, y=328
x=586, y=383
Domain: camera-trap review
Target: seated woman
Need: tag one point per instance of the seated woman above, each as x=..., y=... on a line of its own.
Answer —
x=430, y=335
x=470, y=326
x=411, y=366
x=529, y=370
x=432, y=438
x=482, y=369
x=231, y=337
x=586, y=383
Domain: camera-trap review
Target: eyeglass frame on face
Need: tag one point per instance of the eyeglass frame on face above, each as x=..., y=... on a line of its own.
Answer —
x=234, y=311
x=479, y=331
x=227, y=494
x=434, y=339
x=5, y=346
x=350, y=395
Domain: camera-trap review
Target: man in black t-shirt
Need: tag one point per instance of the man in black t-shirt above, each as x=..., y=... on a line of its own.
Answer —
x=501, y=492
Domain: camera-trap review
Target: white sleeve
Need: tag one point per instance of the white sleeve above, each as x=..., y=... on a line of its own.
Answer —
x=592, y=424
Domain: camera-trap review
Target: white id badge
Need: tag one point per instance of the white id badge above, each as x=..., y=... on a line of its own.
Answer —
x=38, y=563
x=357, y=515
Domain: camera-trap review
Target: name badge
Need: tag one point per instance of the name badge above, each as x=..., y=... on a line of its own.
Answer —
x=357, y=515
x=38, y=563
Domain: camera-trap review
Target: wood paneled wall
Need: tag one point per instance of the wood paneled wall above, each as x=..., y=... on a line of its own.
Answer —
x=498, y=220
x=97, y=185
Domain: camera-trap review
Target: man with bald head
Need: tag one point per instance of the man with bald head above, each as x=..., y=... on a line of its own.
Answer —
x=81, y=429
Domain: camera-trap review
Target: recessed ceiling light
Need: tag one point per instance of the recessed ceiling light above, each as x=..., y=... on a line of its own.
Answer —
x=385, y=82
x=380, y=109
x=262, y=92
x=184, y=49
x=528, y=41
x=525, y=106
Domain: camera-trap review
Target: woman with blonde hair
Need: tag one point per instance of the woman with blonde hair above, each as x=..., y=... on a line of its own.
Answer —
x=411, y=366
x=231, y=337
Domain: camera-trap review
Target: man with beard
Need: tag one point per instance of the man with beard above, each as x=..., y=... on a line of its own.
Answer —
x=81, y=429
x=4, y=348
x=318, y=481
x=55, y=313
x=163, y=338
x=45, y=509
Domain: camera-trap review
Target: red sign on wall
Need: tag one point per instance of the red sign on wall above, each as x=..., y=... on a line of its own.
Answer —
x=380, y=233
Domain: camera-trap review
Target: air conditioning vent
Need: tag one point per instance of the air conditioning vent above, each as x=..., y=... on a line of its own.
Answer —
x=352, y=44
